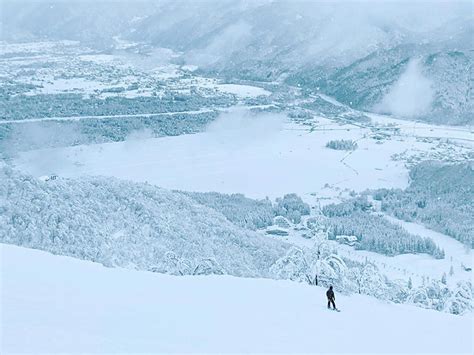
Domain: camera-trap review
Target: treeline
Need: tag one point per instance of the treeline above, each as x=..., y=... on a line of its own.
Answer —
x=374, y=232
x=51, y=134
x=21, y=107
x=240, y=210
x=441, y=196
x=253, y=214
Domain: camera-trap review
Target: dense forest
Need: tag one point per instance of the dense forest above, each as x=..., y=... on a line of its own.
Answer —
x=374, y=232
x=441, y=196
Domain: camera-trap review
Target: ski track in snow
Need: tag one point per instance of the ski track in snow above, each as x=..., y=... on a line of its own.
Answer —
x=60, y=304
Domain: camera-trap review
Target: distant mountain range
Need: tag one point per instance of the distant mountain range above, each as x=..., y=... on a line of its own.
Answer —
x=409, y=59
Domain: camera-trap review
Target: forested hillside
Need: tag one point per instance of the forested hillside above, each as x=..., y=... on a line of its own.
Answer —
x=440, y=196
x=120, y=223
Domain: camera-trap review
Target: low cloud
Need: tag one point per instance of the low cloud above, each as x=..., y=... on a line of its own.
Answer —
x=230, y=40
x=411, y=96
x=240, y=127
x=34, y=140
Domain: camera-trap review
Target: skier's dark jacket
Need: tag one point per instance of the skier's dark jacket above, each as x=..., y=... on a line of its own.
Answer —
x=330, y=294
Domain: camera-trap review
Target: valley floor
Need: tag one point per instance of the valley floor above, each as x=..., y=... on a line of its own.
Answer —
x=59, y=304
x=259, y=156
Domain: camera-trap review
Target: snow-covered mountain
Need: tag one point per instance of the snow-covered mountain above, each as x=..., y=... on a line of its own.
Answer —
x=359, y=53
x=58, y=304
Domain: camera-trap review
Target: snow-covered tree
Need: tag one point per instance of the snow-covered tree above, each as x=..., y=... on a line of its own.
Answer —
x=355, y=274
x=374, y=232
x=208, y=266
x=328, y=270
x=292, y=207
x=341, y=144
x=444, y=204
x=372, y=283
x=292, y=266
x=317, y=223
x=314, y=266
x=460, y=300
x=243, y=211
x=281, y=222
x=431, y=295
x=174, y=265
x=398, y=291
x=444, y=279
x=325, y=266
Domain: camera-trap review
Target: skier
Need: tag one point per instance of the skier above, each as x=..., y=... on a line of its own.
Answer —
x=331, y=298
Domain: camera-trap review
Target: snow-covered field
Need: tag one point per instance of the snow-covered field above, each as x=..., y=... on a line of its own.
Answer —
x=243, y=90
x=258, y=156
x=58, y=304
x=463, y=134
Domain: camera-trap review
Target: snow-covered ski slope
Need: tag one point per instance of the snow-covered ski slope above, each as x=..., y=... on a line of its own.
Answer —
x=59, y=304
